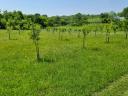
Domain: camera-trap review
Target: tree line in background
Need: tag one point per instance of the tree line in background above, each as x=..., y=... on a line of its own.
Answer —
x=19, y=21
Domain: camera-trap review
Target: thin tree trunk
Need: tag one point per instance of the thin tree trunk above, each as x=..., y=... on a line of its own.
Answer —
x=107, y=37
x=19, y=31
x=9, y=35
x=78, y=34
x=69, y=32
x=84, y=37
x=59, y=35
x=95, y=33
x=126, y=35
x=37, y=51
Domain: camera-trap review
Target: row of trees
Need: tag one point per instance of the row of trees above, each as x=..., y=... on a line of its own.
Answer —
x=83, y=30
x=107, y=29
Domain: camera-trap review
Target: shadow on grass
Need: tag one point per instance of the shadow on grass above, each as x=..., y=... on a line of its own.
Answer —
x=96, y=49
x=66, y=39
x=46, y=60
x=13, y=39
x=92, y=49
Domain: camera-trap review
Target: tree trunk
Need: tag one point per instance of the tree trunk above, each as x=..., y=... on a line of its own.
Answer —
x=95, y=32
x=107, y=37
x=78, y=34
x=126, y=35
x=9, y=35
x=19, y=31
x=84, y=37
x=59, y=35
x=37, y=51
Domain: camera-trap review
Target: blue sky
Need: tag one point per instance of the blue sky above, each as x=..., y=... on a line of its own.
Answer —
x=63, y=7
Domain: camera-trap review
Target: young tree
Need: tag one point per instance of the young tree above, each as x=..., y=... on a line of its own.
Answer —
x=84, y=36
x=61, y=32
x=9, y=28
x=69, y=30
x=94, y=28
x=85, y=33
x=36, y=28
x=108, y=29
x=79, y=31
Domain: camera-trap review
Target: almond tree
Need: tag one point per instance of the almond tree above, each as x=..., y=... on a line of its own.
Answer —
x=94, y=29
x=108, y=29
x=61, y=31
x=69, y=30
x=85, y=33
x=36, y=28
x=79, y=31
x=9, y=28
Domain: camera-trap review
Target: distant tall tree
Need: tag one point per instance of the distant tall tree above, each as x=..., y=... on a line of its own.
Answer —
x=2, y=21
x=125, y=28
x=54, y=21
x=63, y=22
x=105, y=18
x=42, y=20
x=79, y=19
x=124, y=13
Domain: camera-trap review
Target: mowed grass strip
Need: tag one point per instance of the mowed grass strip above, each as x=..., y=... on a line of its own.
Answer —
x=117, y=88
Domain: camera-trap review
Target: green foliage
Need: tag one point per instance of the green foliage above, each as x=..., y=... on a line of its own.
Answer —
x=124, y=13
x=79, y=19
x=35, y=31
x=18, y=18
x=107, y=17
x=104, y=17
x=23, y=20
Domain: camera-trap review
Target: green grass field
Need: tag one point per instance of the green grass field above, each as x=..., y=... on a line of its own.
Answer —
x=69, y=70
